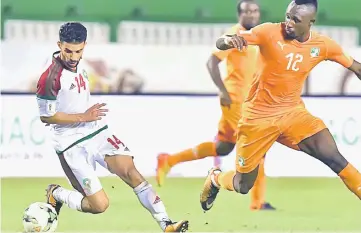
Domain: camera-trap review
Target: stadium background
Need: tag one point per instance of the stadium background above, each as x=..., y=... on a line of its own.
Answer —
x=147, y=60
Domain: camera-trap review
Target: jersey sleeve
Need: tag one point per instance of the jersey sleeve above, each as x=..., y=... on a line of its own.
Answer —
x=335, y=53
x=257, y=35
x=47, y=91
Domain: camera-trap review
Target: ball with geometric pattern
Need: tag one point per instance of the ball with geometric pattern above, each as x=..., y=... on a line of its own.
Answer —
x=40, y=217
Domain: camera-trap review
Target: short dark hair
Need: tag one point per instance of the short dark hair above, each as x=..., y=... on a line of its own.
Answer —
x=308, y=2
x=72, y=32
x=240, y=3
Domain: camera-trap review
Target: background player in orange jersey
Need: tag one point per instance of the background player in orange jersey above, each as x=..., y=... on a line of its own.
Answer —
x=241, y=67
x=274, y=110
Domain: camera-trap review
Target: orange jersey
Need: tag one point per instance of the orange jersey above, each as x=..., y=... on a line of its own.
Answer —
x=241, y=67
x=286, y=64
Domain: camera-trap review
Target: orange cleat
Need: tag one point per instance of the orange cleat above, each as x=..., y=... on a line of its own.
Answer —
x=162, y=168
x=181, y=226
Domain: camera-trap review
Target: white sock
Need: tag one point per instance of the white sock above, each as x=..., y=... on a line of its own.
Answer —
x=151, y=201
x=72, y=199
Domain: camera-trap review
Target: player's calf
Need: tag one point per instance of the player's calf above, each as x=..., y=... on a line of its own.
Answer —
x=95, y=204
x=323, y=147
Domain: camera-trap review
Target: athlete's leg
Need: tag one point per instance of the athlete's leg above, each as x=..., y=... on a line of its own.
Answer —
x=119, y=161
x=323, y=147
x=88, y=195
x=310, y=135
x=259, y=190
x=123, y=166
x=222, y=146
x=253, y=141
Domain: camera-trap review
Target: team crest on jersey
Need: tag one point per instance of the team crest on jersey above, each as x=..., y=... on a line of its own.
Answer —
x=315, y=52
x=241, y=161
x=85, y=74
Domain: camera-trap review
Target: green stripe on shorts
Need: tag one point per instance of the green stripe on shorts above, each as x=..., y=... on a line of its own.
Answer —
x=83, y=139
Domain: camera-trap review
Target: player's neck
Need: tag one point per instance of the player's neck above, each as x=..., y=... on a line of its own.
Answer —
x=304, y=37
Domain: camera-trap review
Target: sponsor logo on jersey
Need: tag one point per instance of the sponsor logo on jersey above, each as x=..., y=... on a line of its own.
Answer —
x=72, y=86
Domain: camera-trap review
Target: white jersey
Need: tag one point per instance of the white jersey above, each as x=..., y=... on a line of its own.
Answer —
x=62, y=90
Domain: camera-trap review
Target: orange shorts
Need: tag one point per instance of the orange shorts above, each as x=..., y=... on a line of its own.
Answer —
x=228, y=124
x=255, y=137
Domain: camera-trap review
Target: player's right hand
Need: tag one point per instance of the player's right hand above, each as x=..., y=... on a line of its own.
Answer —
x=95, y=112
x=225, y=99
x=236, y=41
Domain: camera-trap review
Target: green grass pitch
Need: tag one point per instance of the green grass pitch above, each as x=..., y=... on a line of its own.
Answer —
x=304, y=205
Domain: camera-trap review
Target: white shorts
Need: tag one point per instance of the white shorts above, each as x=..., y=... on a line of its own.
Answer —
x=79, y=161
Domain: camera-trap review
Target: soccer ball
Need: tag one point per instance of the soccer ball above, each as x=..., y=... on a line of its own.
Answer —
x=40, y=217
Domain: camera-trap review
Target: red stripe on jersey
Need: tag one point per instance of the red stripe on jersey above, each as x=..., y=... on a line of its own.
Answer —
x=49, y=82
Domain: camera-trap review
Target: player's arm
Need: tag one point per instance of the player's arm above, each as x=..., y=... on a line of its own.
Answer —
x=335, y=53
x=61, y=118
x=214, y=72
x=256, y=36
x=46, y=95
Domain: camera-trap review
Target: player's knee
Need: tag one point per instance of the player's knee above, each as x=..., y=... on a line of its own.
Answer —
x=224, y=148
x=241, y=185
x=334, y=160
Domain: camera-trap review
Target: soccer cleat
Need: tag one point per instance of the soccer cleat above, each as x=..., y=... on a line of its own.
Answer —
x=181, y=226
x=162, y=168
x=267, y=206
x=51, y=199
x=264, y=206
x=210, y=191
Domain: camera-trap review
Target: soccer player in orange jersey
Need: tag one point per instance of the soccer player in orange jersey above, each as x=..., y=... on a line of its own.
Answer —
x=274, y=110
x=241, y=67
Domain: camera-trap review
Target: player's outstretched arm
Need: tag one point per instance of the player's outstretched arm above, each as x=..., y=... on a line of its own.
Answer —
x=356, y=68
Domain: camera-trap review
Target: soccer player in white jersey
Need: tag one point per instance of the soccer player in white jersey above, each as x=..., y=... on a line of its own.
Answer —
x=82, y=138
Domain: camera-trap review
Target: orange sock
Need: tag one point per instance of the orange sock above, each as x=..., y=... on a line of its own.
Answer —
x=201, y=151
x=225, y=180
x=352, y=179
x=259, y=188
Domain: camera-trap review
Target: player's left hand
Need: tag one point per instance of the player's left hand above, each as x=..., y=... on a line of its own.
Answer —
x=225, y=99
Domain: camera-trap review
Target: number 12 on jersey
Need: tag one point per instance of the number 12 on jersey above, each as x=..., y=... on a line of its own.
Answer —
x=293, y=59
x=80, y=83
